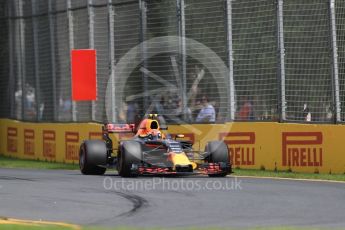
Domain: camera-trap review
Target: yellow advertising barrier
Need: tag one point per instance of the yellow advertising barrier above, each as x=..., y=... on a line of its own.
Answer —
x=280, y=146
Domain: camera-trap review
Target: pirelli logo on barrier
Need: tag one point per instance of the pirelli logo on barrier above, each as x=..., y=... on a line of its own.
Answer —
x=72, y=145
x=241, y=147
x=29, y=142
x=302, y=149
x=95, y=136
x=49, y=144
x=12, y=139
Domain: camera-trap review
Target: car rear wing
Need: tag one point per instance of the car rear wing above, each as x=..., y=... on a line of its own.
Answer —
x=119, y=128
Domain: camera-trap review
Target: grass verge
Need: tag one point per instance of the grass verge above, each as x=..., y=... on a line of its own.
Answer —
x=28, y=227
x=21, y=227
x=285, y=174
x=9, y=162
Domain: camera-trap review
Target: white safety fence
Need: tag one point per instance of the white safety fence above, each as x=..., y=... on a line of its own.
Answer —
x=250, y=60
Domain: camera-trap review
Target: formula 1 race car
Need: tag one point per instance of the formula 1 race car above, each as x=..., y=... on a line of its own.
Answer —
x=151, y=152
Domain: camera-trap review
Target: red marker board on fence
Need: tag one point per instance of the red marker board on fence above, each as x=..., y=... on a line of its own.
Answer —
x=84, y=84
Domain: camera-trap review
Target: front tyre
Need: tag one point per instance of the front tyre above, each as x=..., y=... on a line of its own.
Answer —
x=92, y=153
x=218, y=153
x=130, y=154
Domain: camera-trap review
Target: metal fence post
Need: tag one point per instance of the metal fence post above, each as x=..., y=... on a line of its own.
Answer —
x=231, y=90
x=71, y=46
x=11, y=60
x=111, y=22
x=91, y=15
x=36, y=62
x=182, y=53
x=143, y=32
x=21, y=63
x=282, y=59
x=335, y=80
x=52, y=57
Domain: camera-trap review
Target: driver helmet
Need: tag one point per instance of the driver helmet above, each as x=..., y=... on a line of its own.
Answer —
x=155, y=134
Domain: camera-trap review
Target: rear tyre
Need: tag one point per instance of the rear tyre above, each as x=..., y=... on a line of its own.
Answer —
x=130, y=154
x=218, y=153
x=92, y=153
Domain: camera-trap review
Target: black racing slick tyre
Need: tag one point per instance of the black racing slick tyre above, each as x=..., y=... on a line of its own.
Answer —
x=217, y=153
x=130, y=155
x=92, y=154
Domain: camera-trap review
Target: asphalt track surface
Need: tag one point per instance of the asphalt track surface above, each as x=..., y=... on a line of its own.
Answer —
x=110, y=200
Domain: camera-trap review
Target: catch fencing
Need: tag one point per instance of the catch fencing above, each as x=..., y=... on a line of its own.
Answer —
x=251, y=60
